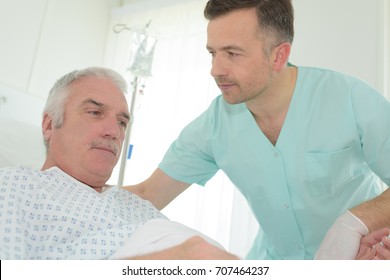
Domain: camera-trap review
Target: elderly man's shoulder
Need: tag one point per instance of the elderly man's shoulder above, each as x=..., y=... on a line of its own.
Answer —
x=16, y=178
x=16, y=171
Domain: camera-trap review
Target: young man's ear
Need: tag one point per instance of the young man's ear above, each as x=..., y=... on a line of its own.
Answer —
x=281, y=55
x=47, y=126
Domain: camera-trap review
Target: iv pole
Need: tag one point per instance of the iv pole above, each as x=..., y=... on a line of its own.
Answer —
x=126, y=141
x=140, y=67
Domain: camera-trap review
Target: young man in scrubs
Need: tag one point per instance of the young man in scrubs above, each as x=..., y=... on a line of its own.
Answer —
x=305, y=146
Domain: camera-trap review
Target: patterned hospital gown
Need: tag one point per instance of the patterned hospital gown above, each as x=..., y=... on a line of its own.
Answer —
x=50, y=215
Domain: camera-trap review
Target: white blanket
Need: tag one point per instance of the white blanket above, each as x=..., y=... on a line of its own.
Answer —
x=156, y=235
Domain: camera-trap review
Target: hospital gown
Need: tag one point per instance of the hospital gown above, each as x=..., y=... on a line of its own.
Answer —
x=50, y=215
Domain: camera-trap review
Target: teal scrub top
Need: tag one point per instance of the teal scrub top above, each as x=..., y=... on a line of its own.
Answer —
x=333, y=148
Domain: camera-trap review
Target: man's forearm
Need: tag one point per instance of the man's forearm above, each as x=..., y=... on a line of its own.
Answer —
x=375, y=213
x=159, y=189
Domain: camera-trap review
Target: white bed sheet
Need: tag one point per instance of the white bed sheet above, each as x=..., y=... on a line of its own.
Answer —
x=156, y=235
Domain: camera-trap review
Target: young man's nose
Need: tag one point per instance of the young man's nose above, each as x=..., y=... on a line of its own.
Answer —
x=218, y=66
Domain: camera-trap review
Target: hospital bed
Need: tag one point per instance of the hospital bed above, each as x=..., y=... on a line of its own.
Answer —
x=21, y=141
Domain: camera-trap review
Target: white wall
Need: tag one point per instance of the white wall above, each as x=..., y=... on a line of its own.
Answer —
x=345, y=35
x=43, y=39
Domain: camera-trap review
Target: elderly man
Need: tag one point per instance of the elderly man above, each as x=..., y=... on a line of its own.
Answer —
x=65, y=210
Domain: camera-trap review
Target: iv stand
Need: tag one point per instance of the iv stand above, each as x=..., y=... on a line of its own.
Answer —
x=141, y=64
x=126, y=141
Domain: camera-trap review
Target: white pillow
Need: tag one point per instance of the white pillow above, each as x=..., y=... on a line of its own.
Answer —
x=20, y=144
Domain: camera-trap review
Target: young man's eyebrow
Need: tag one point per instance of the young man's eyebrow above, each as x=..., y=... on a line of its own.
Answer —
x=227, y=48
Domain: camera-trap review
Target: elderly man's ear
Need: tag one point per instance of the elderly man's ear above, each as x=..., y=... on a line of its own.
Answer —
x=47, y=126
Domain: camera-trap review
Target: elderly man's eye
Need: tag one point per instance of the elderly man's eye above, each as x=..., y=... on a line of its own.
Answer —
x=94, y=113
x=123, y=123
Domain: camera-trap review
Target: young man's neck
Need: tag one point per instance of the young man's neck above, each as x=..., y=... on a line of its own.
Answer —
x=275, y=102
x=271, y=111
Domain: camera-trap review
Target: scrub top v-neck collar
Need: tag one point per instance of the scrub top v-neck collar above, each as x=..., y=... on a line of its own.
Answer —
x=284, y=132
